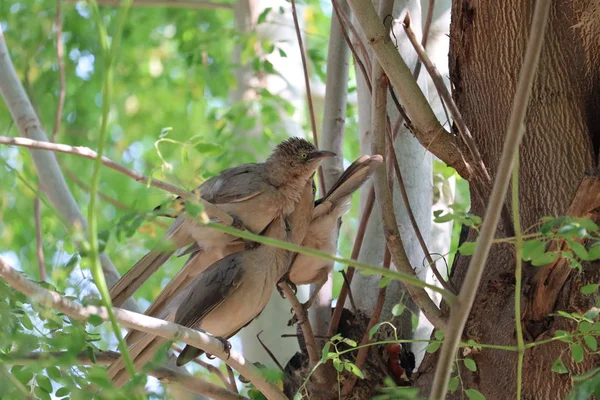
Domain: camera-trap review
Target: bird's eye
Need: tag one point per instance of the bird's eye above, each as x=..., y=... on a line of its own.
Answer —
x=303, y=155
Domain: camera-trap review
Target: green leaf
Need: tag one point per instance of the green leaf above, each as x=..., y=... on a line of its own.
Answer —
x=584, y=327
x=44, y=382
x=398, y=309
x=349, y=342
x=439, y=334
x=589, y=289
x=263, y=16
x=24, y=375
x=453, y=384
x=282, y=53
x=470, y=364
x=591, y=342
x=41, y=394
x=578, y=249
x=467, y=248
x=577, y=352
x=298, y=396
x=164, y=132
x=208, y=149
x=185, y=157
x=443, y=218
x=91, y=354
x=545, y=258
x=474, y=394
x=193, y=209
x=374, y=329
x=54, y=373
x=95, y=320
x=591, y=314
x=533, y=249
x=384, y=281
x=559, y=367
x=354, y=369
x=26, y=322
x=594, y=251
x=62, y=392
x=337, y=364
x=325, y=351
x=433, y=347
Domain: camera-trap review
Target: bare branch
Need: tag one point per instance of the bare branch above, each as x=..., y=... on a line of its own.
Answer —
x=384, y=197
x=444, y=93
x=60, y=54
x=358, y=241
x=140, y=322
x=309, y=338
x=39, y=244
x=311, y=109
x=166, y=3
x=210, y=209
x=460, y=312
x=427, y=128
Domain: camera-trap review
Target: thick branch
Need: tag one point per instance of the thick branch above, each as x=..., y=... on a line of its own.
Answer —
x=140, y=322
x=427, y=128
x=460, y=312
x=210, y=209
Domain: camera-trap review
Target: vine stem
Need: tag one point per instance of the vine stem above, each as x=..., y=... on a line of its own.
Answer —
x=518, y=272
x=461, y=310
x=96, y=267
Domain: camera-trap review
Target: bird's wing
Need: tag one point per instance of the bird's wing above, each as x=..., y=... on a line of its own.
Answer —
x=353, y=177
x=235, y=184
x=230, y=186
x=210, y=289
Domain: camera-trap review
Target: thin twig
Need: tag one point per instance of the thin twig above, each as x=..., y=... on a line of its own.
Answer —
x=425, y=37
x=358, y=241
x=311, y=110
x=167, y=3
x=518, y=273
x=39, y=245
x=231, y=376
x=132, y=320
x=309, y=338
x=210, y=209
x=60, y=54
x=104, y=196
x=269, y=352
x=444, y=93
x=384, y=198
x=361, y=357
x=460, y=312
x=344, y=22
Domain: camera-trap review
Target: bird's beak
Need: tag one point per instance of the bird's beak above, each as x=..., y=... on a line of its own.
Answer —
x=318, y=155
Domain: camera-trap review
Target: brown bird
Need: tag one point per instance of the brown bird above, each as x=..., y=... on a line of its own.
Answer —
x=229, y=294
x=323, y=230
x=254, y=194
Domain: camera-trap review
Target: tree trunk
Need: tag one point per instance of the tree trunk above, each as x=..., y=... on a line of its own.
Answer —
x=487, y=44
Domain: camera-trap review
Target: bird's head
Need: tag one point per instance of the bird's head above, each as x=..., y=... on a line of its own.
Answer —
x=297, y=158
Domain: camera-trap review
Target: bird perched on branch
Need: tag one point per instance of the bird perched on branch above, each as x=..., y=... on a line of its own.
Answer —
x=254, y=194
x=323, y=230
x=230, y=293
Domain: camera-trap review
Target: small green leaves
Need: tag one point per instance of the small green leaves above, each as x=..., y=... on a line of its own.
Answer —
x=589, y=289
x=533, y=249
x=474, y=394
x=325, y=351
x=577, y=352
x=350, y=367
x=95, y=320
x=467, y=248
x=453, y=384
x=559, y=367
x=398, y=309
x=591, y=342
x=208, y=149
x=263, y=15
x=433, y=347
x=470, y=364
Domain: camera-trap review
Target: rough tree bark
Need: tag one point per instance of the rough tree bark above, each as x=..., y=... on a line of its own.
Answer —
x=487, y=42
